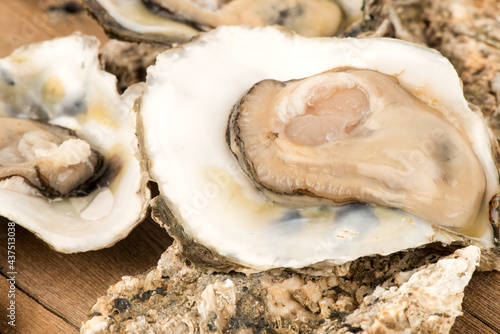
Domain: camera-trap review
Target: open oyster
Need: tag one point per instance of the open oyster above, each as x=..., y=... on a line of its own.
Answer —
x=177, y=21
x=401, y=162
x=67, y=166
x=329, y=139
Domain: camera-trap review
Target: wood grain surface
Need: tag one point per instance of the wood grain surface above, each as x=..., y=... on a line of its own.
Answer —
x=54, y=292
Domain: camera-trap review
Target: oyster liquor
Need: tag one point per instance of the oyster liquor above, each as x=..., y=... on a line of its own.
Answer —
x=11, y=260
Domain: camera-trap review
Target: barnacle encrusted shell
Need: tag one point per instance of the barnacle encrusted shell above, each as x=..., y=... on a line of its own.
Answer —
x=404, y=292
x=213, y=208
x=59, y=85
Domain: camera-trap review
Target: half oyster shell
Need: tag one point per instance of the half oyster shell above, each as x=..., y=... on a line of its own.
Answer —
x=68, y=173
x=177, y=21
x=213, y=208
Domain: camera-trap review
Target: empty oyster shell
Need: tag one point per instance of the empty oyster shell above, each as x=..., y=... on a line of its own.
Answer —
x=71, y=176
x=177, y=21
x=223, y=221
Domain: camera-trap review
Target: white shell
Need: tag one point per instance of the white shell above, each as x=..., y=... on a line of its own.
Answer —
x=61, y=79
x=184, y=109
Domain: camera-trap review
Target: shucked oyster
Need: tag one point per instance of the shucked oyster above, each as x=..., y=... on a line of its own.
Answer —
x=67, y=166
x=174, y=21
x=329, y=139
x=46, y=159
x=399, y=161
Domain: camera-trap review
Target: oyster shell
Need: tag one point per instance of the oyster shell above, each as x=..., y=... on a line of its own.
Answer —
x=405, y=292
x=214, y=210
x=71, y=176
x=305, y=17
x=169, y=22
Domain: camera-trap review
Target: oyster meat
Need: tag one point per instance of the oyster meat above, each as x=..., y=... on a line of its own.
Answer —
x=51, y=160
x=68, y=170
x=306, y=17
x=400, y=161
x=330, y=138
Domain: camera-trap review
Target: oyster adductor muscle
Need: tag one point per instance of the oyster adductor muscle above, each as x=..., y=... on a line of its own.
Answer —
x=357, y=136
x=389, y=169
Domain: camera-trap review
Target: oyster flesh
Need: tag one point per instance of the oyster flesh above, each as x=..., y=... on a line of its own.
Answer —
x=305, y=17
x=68, y=170
x=51, y=160
x=131, y=20
x=385, y=174
x=330, y=138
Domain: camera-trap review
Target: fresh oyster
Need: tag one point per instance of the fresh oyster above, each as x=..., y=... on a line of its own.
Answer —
x=223, y=221
x=177, y=21
x=68, y=170
x=330, y=138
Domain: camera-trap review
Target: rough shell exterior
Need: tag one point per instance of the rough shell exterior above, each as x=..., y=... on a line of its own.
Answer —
x=404, y=292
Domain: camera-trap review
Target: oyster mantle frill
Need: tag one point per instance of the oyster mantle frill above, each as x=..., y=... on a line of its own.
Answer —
x=213, y=208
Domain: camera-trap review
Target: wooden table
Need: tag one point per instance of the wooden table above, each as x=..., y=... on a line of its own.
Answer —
x=54, y=292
